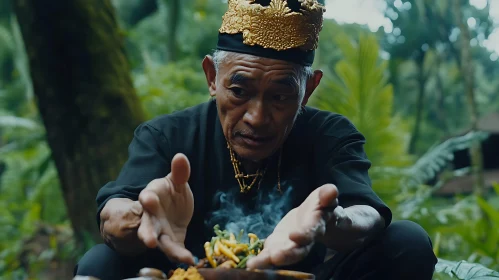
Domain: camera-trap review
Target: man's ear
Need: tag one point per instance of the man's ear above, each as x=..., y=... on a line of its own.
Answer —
x=312, y=84
x=211, y=74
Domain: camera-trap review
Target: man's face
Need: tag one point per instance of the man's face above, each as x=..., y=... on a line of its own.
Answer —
x=258, y=101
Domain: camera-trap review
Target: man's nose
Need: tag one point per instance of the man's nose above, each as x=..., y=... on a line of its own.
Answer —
x=257, y=114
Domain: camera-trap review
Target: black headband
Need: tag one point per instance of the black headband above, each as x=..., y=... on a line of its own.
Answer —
x=234, y=43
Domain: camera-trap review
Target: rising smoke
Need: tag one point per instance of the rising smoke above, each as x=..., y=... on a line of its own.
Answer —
x=269, y=208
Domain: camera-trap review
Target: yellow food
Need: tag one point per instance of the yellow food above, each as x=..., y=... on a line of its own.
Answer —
x=228, y=264
x=227, y=251
x=232, y=237
x=216, y=249
x=209, y=254
x=224, y=251
x=239, y=248
x=191, y=274
x=228, y=243
x=252, y=237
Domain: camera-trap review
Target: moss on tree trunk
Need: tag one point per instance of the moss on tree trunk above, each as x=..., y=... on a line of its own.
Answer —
x=85, y=96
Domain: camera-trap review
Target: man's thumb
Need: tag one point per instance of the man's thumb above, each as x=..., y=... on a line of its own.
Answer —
x=328, y=196
x=137, y=208
x=180, y=170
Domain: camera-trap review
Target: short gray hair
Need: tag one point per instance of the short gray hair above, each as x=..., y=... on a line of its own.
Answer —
x=304, y=72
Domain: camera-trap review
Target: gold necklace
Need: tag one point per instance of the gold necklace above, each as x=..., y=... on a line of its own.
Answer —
x=241, y=177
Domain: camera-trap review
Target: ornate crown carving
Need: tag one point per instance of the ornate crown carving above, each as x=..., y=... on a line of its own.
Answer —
x=275, y=26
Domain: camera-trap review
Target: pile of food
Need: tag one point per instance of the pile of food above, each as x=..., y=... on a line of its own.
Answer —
x=225, y=250
x=190, y=274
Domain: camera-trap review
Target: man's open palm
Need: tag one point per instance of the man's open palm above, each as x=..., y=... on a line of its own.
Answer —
x=168, y=208
x=294, y=236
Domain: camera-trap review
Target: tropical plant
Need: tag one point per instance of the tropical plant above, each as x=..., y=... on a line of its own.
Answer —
x=463, y=270
x=433, y=165
x=166, y=88
x=477, y=228
x=30, y=196
x=358, y=89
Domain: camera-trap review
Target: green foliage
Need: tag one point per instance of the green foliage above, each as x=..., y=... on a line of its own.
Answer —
x=362, y=94
x=432, y=163
x=464, y=224
x=465, y=271
x=166, y=88
x=196, y=31
x=412, y=45
x=478, y=230
x=328, y=53
x=30, y=195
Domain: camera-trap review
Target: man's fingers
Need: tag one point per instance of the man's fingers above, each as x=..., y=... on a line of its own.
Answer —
x=328, y=196
x=289, y=257
x=176, y=179
x=271, y=258
x=175, y=251
x=150, y=201
x=148, y=231
x=303, y=238
x=180, y=171
x=261, y=261
x=137, y=208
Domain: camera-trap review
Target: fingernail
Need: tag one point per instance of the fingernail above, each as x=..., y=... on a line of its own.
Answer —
x=196, y=260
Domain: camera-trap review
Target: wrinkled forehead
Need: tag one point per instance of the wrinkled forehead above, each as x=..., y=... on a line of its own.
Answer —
x=238, y=66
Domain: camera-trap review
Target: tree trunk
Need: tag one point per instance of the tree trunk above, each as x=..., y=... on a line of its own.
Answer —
x=174, y=18
x=85, y=96
x=468, y=73
x=420, y=104
x=440, y=104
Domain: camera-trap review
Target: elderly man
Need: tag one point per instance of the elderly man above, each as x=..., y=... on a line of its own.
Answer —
x=256, y=138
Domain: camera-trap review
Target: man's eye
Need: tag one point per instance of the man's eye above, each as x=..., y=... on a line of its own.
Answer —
x=280, y=97
x=237, y=92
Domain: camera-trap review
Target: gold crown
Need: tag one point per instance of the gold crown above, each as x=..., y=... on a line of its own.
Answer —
x=275, y=26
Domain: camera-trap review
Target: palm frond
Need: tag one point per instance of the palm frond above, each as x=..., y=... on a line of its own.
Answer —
x=21, y=59
x=429, y=165
x=437, y=158
x=465, y=271
x=18, y=122
x=6, y=42
x=358, y=89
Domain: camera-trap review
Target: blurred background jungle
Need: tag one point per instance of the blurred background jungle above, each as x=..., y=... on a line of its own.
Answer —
x=420, y=79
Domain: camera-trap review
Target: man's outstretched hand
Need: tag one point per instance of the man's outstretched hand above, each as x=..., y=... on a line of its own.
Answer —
x=168, y=206
x=297, y=232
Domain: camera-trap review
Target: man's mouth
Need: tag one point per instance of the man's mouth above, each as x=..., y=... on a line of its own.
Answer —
x=253, y=140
